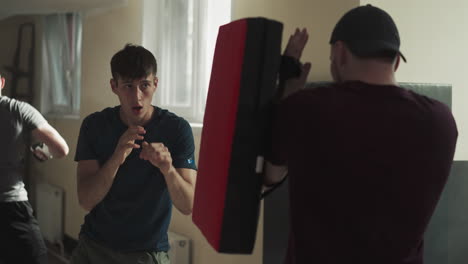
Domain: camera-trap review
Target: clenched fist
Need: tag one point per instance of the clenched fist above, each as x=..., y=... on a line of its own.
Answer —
x=158, y=155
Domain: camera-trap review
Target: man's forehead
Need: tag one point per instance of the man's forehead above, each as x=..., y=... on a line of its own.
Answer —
x=150, y=77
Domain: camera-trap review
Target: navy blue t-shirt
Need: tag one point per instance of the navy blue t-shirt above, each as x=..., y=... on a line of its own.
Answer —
x=135, y=213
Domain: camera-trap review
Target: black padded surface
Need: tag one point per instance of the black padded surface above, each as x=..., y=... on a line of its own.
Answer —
x=242, y=204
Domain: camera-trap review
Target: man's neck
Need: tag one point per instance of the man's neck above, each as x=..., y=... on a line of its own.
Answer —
x=136, y=122
x=377, y=74
x=376, y=80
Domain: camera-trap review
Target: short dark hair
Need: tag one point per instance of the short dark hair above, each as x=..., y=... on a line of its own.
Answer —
x=133, y=62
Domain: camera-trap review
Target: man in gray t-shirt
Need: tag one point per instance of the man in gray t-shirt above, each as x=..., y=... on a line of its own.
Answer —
x=20, y=238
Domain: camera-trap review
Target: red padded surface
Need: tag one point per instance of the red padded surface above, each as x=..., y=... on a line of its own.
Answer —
x=218, y=130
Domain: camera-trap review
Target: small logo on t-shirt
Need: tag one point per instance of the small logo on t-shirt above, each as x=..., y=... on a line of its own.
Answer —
x=190, y=161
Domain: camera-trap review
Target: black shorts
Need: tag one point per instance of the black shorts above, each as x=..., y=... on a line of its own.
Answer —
x=20, y=238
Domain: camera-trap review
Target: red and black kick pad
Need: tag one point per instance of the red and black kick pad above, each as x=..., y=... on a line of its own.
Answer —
x=243, y=81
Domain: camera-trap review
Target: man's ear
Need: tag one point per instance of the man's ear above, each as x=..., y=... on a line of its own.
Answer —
x=156, y=80
x=113, y=84
x=397, y=63
x=2, y=83
x=342, y=53
x=339, y=54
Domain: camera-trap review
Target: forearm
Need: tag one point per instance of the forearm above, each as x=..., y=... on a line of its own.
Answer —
x=181, y=191
x=274, y=173
x=55, y=145
x=93, y=188
x=58, y=146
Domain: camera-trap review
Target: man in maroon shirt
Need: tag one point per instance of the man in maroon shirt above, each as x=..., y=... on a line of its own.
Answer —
x=367, y=160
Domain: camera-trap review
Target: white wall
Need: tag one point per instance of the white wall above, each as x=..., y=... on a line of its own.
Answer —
x=434, y=39
x=318, y=16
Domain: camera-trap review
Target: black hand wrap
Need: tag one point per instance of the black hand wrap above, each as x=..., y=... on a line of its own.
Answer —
x=290, y=68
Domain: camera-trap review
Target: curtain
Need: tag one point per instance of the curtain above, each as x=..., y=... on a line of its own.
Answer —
x=61, y=65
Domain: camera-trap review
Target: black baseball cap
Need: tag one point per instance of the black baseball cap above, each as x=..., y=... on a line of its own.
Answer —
x=367, y=30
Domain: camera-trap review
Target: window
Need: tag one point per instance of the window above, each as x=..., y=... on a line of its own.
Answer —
x=182, y=35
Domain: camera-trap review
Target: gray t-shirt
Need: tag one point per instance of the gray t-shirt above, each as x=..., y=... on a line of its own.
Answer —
x=17, y=119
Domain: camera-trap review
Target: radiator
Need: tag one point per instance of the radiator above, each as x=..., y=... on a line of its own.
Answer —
x=49, y=211
x=180, y=248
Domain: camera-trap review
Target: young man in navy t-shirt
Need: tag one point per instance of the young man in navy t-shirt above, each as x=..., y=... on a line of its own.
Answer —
x=135, y=161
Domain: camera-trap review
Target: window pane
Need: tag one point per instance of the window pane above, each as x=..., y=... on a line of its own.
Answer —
x=177, y=53
x=183, y=37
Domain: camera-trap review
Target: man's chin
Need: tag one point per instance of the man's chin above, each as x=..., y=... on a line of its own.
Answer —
x=139, y=116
